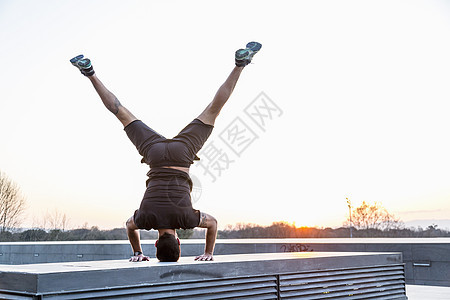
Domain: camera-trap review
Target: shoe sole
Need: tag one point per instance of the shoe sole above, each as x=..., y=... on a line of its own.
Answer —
x=250, y=50
x=84, y=63
x=242, y=54
x=76, y=58
x=254, y=46
x=80, y=62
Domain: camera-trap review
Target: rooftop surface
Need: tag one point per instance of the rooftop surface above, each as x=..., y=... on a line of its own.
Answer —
x=422, y=292
x=47, y=268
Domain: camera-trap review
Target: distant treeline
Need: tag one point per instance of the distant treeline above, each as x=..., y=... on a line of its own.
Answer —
x=285, y=230
x=239, y=231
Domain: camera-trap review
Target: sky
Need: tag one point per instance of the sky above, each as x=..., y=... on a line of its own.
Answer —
x=346, y=99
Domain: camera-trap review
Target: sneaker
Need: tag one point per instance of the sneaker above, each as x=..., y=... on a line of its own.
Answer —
x=83, y=64
x=244, y=56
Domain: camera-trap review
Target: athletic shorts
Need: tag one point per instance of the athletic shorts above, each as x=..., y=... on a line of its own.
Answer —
x=158, y=151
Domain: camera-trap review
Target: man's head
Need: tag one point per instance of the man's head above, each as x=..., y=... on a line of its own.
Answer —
x=168, y=248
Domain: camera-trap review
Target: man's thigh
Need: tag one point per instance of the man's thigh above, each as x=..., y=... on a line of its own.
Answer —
x=142, y=136
x=195, y=134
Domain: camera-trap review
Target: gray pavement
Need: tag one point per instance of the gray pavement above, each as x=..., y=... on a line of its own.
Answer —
x=423, y=292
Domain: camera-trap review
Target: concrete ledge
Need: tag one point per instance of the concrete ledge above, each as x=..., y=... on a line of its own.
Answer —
x=261, y=276
x=427, y=260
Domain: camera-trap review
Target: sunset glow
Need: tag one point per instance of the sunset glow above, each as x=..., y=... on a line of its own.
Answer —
x=359, y=92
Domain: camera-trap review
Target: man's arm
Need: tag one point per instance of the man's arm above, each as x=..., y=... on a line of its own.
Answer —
x=210, y=223
x=133, y=237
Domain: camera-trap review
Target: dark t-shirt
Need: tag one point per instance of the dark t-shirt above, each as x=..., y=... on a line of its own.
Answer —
x=167, y=201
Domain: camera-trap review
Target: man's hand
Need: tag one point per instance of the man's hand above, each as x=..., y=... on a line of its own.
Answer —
x=140, y=257
x=205, y=257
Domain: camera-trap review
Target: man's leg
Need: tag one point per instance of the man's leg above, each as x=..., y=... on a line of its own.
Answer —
x=111, y=102
x=209, y=115
x=242, y=58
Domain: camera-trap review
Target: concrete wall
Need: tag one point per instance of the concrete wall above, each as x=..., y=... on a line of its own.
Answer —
x=427, y=261
x=245, y=276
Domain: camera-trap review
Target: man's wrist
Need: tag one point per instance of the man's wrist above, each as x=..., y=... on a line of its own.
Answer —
x=137, y=253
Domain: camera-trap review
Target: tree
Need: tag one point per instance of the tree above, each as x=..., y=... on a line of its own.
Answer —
x=185, y=233
x=374, y=216
x=12, y=204
x=57, y=220
x=33, y=235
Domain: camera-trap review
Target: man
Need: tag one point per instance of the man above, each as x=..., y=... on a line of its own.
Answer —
x=166, y=205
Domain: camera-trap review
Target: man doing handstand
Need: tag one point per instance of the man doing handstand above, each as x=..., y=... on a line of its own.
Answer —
x=166, y=205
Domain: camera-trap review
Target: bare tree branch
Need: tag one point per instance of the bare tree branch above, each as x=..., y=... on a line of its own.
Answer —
x=374, y=216
x=12, y=204
x=57, y=220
